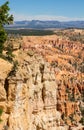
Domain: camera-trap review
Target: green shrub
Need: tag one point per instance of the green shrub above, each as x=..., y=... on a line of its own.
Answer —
x=14, y=68
x=5, y=18
x=82, y=121
x=1, y=111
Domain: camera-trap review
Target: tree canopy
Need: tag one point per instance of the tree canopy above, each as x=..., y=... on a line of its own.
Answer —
x=5, y=18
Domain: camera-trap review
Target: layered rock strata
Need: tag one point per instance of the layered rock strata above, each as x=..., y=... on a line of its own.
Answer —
x=30, y=99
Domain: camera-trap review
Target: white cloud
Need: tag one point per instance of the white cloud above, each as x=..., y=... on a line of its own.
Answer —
x=18, y=17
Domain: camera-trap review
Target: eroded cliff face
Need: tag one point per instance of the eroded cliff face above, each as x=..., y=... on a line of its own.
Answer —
x=44, y=91
x=29, y=99
x=66, y=59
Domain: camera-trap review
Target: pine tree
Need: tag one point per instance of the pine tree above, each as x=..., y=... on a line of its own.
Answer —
x=5, y=18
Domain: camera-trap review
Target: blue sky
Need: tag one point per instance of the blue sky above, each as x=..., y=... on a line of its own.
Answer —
x=62, y=10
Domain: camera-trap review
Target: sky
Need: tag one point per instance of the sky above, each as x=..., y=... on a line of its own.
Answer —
x=61, y=10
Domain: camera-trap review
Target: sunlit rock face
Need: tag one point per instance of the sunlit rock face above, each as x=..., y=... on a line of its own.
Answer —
x=66, y=58
x=39, y=95
x=31, y=97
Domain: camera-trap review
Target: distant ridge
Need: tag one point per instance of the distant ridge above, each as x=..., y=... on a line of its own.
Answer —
x=37, y=24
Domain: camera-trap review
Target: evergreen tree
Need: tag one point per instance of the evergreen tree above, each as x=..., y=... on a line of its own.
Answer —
x=5, y=18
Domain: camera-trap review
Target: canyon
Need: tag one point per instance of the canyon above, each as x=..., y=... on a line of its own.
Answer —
x=44, y=89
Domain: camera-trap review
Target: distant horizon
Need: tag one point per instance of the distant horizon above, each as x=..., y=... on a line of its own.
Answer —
x=46, y=24
x=49, y=20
